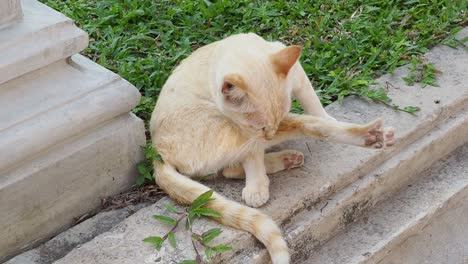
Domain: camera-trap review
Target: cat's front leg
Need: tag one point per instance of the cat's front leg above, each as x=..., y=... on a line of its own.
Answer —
x=306, y=95
x=372, y=135
x=256, y=191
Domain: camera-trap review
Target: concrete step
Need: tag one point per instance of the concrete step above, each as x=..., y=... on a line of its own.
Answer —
x=81, y=233
x=52, y=127
x=427, y=222
x=40, y=37
x=57, y=102
x=354, y=178
x=328, y=217
x=47, y=193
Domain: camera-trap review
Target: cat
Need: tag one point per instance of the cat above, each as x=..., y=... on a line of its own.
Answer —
x=222, y=107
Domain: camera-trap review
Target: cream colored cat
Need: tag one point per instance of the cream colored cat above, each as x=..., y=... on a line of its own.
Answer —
x=222, y=107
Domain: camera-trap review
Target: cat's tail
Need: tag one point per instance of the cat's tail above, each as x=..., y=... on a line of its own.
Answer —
x=185, y=190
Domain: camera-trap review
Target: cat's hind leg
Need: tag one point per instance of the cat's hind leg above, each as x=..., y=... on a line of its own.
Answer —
x=274, y=162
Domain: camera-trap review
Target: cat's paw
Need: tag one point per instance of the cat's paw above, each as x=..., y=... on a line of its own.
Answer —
x=377, y=137
x=292, y=159
x=256, y=195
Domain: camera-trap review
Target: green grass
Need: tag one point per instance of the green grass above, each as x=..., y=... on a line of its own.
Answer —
x=421, y=72
x=346, y=43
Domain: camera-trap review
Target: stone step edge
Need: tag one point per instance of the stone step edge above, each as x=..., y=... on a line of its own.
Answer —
x=43, y=131
x=32, y=51
x=59, y=75
x=442, y=195
x=61, y=244
x=86, y=142
x=431, y=122
x=326, y=219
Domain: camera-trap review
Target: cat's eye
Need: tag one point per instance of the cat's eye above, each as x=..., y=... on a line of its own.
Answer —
x=227, y=86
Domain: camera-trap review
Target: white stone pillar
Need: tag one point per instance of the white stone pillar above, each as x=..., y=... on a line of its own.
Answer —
x=10, y=12
x=67, y=136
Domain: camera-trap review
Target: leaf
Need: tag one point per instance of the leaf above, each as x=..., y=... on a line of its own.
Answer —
x=206, y=212
x=411, y=109
x=171, y=208
x=148, y=176
x=140, y=180
x=221, y=248
x=142, y=168
x=171, y=239
x=209, y=252
x=201, y=200
x=156, y=241
x=211, y=234
x=188, y=261
x=409, y=80
x=165, y=219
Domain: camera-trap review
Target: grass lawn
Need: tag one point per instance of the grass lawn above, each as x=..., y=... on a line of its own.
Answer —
x=346, y=43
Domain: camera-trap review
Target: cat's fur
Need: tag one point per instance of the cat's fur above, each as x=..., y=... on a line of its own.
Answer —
x=222, y=107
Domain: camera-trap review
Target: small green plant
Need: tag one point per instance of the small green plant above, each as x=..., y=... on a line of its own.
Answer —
x=421, y=72
x=145, y=167
x=380, y=95
x=190, y=214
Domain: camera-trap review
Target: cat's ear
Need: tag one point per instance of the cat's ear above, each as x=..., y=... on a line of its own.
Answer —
x=234, y=90
x=284, y=59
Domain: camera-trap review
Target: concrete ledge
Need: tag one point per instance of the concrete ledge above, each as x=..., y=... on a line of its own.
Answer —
x=379, y=236
x=43, y=196
x=313, y=227
x=42, y=37
x=89, y=98
x=60, y=245
x=329, y=169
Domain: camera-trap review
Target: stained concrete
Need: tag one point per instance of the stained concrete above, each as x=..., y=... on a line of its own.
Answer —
x=442, y=240
x=81, y=233
x=328, y=170
x=426, y=222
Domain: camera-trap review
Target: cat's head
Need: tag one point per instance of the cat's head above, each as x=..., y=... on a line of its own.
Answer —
x=254, y=89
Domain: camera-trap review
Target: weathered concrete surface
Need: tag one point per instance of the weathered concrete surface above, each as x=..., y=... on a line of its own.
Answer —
x=60, y=245
x=57, y=102
x=47, y=193
x=424, y=223
x=312, y=227
x=10, y=12
x=443, y=240
x=43, y=36
x=328, y=168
